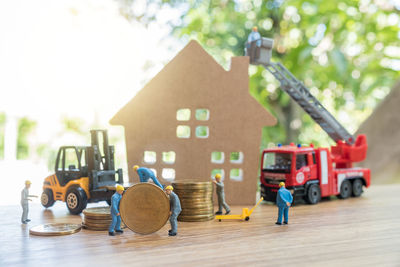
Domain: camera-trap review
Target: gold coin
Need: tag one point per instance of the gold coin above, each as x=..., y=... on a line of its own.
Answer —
x=144, y=208
x=196, y=218
x=97, y=211
x=55, y=229
x=97, y=221
x=103, y=228
x=183, y=213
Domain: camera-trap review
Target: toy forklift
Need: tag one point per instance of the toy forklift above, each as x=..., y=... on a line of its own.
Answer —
x=82, y=174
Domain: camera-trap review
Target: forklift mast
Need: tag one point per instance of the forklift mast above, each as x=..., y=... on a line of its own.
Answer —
x=101, y=161
x=101, y=153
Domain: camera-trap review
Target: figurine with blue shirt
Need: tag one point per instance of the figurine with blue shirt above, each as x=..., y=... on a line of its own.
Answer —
x=115, y=214
x=146, y=174
x=253, y=44
x=175, y=210
x=283, y=200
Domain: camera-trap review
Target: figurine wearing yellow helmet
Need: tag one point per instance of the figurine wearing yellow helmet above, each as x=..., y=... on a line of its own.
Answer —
x=145, y=174
x=221, y=195
x=115, y=214
x=175, y=210
x=25, y=198
x=253, y=44
x=283, y=200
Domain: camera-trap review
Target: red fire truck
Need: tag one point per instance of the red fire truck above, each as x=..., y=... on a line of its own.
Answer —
x=309, y=172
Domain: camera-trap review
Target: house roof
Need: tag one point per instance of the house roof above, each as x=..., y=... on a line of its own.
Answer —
x=192, y=64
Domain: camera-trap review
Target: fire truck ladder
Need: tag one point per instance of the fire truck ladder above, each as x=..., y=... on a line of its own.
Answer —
x=300, y=93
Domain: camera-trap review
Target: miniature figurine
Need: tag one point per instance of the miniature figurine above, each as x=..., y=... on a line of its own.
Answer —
x=115, y=214
x=25, y=197
x=175, y=210
x=221, y=195
x=254, y=44
x=145, y=174
x=283, y=200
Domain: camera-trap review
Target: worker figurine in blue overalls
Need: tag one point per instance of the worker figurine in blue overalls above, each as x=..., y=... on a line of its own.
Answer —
x=175, y=210
x=25, y=198
x=115, y=214
x=145, y=174
x=283, y=200
x=253, y=44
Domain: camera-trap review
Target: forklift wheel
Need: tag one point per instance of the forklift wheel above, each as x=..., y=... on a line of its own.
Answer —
x=76, y=200
x=47, y=199
x=247, y=218
x=219, y=220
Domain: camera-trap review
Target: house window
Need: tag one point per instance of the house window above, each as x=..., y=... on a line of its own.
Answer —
x=236, y=175
x=202, y=114
x=150, y=157
x=183, y=114
x=202, y=132
x=217, y=157
x=168, y=157
x=183, y=131
x=237, y=157
x=216, y=171
x=168, y=174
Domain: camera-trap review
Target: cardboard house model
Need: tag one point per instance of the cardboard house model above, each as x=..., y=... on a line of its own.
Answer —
x=195, y=119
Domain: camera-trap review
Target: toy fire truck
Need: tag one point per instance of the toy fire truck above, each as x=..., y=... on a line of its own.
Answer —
x=310, y=172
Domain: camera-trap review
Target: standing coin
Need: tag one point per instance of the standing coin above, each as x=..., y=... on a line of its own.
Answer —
x=144, y=208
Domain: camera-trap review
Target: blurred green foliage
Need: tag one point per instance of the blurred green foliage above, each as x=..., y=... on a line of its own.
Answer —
x=341, y=50
x=25, y=128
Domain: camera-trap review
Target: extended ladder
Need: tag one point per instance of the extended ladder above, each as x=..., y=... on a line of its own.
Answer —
x=301, y=94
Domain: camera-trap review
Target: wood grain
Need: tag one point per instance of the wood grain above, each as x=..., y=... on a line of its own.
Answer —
x=355, y=232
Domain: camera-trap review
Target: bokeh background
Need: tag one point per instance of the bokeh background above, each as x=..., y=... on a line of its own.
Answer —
x=68, y=66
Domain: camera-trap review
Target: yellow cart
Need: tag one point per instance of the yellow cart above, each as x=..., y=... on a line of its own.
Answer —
x=244, y=216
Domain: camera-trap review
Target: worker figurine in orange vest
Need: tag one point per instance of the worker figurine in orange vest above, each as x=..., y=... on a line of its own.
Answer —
x=283, y=200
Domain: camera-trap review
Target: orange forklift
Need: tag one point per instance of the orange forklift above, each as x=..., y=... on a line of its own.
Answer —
x=83, y=174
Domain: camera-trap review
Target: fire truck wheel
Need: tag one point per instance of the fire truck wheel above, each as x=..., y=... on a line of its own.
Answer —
x=314, y=194
x=76, y=200
x=357, y=188
x=345, y=190
x=46, y=198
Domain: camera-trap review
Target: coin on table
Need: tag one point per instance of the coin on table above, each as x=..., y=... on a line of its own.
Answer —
x=144, y=208
x=55, y=229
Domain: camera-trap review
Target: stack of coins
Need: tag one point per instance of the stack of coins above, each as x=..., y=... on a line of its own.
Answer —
x=97, y=218
x=196, y=201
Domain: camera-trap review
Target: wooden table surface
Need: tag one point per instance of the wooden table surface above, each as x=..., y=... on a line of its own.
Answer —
x=361, y=231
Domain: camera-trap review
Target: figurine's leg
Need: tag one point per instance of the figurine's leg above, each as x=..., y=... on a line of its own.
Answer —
x=286, y=213
x=118, y=226
x=174, y=224
x=226, y=207
x=155, y=180
x=280, y=214
x=113, y=223
x=24, y=213
x=219, y=205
